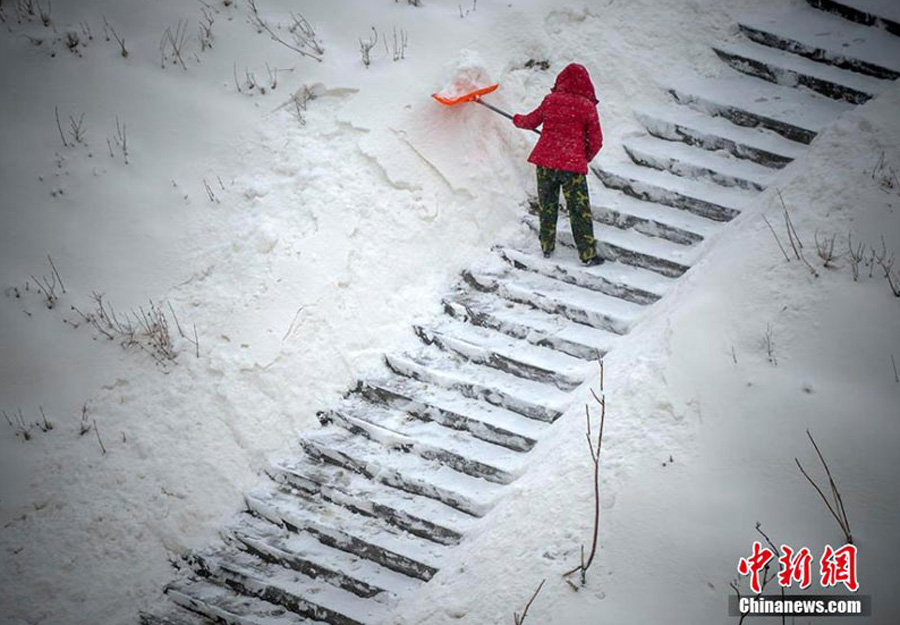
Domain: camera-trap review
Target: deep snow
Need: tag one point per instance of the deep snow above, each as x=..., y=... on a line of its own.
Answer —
x=327, y=239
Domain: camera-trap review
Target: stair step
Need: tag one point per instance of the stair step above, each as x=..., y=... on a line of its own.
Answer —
x=533, y=325
x=222, y=605
x=880, y=13
x=457, y=450
x=408, y=472
x=181, y=617
x=507, y=354
x=695, y=196
x=790, y=69
x=301, y=551
x=483, y=420
x=752, y=102
x=418, y=515
x=287, y=588
x=685, y=160
x=626, y=282
x=572, y=302
x=624, y=247
x=614, y=208
x=682, y=123
x=530, y=399
x=340, y=528
x=826, y=39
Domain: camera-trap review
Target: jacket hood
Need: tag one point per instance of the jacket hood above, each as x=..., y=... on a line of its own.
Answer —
x=575, y=79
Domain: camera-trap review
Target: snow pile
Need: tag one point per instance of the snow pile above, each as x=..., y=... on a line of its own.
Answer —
x=469, y=74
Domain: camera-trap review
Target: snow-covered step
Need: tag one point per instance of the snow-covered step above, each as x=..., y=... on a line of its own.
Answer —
x=340, y=528
x=429, y=403
x=452, y=448
x=567, y=300
x=416, y=514
x=685, y=160
x=614, y=279
x=628, y=247
x=505, y=353
x=528, y=398
x=682, y=123
x=879, y=13
x=790, y=69
x=292, y=590
x=747, y=101
x=827, y=39
x=695, y=196
x=614, y=208
x=302, y=552
x=179, y=617
x=534, y=325
x=225, y=606
x=408, y=472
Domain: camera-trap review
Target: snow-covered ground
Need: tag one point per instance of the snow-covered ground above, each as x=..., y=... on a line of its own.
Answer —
x=318, y=243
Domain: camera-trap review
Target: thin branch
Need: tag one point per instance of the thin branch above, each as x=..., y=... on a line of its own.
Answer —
x=777, y=240
x=518, y=620
x=837, y=510
x=62, y=136
x=99, y=440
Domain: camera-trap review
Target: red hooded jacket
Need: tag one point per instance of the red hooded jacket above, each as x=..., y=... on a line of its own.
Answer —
x=571, y=134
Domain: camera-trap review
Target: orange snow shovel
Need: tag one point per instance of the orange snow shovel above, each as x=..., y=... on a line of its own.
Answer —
x=475, y=96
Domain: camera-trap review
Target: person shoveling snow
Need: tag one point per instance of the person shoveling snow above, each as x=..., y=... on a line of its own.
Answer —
x=571, y=138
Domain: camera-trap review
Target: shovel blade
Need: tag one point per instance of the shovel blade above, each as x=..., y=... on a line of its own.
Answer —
x=467, y=97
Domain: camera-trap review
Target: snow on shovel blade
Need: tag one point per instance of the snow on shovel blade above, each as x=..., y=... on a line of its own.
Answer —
x=466, y=97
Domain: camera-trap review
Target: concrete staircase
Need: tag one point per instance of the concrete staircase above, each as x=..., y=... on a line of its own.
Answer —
x=407, y=464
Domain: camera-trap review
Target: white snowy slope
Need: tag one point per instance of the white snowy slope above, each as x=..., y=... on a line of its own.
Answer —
x=303, y=240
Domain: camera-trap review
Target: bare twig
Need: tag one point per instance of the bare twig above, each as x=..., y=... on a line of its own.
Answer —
x=206, y=26
x=261, y=26
x=107, y=28
x=172, y=44
x=365, y=47
x=794, y=238
x=836, y=506
x=825, y=249
x=122, y=138
x=44, y=13
x=99, y=440
x=62, y=136
x=76, y=129
x=781, y=247
x=209, y=192
x=304, y=34
x=856, y=256
x=56, y=274
x=770, y=346
x=595, y=458
x=518, y=620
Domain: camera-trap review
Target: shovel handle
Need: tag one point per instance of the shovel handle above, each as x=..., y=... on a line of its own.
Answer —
x=500, y=112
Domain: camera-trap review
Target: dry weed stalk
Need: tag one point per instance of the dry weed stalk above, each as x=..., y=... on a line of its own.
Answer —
x=794, y=238
x=836, y=505
x=825, y=250
x=303, y=33
x=519, y=619
x=584, y=565
x=365, y=47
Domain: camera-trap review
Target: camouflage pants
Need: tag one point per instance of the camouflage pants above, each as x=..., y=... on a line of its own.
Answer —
x=575, y=189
